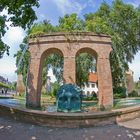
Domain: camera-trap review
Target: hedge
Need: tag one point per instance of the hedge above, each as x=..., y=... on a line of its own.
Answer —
x=4, y=85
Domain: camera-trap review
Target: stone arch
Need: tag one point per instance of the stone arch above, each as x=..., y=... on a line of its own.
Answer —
x=35, y=76
x=51, y=51
x=70, y=44
x=105, y=99
x=87, y=50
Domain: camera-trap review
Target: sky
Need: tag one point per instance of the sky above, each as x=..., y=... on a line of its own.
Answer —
x=52, y=10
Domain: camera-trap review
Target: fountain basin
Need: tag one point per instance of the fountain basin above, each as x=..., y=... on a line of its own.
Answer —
x=57, y=119
x=126, y=102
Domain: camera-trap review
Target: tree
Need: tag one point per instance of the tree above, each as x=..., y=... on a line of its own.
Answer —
x=41, y=28
x=120, y=21
x=84, y=64
x=70, y=23
x=22, y=67
x=55, y=62
x=20, y=13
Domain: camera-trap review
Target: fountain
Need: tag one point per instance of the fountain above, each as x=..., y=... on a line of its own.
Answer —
x=69, y=112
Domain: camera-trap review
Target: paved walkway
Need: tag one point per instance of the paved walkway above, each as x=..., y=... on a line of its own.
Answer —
x=13, y=130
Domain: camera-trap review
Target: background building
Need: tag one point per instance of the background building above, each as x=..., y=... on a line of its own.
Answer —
x=20, y=88
x=90, y=88
x=130, y=81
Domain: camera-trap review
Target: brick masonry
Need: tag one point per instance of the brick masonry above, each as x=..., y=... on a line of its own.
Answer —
x=69, y=45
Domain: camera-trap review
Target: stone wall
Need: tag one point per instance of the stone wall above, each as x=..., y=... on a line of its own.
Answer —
x=70, y=119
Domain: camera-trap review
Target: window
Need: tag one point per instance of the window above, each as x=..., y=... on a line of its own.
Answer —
x=88, y=94
x=87, y=84
x=93, y=85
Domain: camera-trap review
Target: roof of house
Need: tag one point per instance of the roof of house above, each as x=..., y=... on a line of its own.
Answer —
x=92, y=77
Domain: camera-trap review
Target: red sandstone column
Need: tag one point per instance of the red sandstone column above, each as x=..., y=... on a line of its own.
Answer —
x=69, y=70
x=33, y=92
x=104, y=83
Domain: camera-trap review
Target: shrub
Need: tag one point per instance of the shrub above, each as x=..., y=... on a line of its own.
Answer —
x=3, y=85
x=133, y=94
x=89, y=98
x=55, y=87
x=119, y=92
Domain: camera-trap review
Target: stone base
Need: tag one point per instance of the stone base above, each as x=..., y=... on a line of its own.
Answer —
x=105, y=108
x=33, y=106
x=70, y=119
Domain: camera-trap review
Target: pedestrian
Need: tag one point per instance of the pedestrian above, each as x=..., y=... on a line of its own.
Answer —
x=2, y=91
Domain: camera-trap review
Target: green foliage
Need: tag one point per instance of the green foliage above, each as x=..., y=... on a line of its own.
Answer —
x=2, y=85
x=13, y=86
x=23, y=67
x=90, y=98
x=121, y=21
x=20, y=13
x=119, y=92
x=133, y=94
x=42, y=27
x=55, y=87
x=84, y=63
x=137, y=85
x=3, y=46
x=70, y=23
x=55, y=61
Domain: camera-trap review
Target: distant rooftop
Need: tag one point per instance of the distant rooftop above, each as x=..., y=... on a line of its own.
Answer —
x=3, y=80
x=92, y=77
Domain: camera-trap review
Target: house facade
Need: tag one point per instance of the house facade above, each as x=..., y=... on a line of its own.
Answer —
x=90, y=88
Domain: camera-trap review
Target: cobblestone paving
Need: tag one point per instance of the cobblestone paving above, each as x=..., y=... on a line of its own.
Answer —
x=13, y=130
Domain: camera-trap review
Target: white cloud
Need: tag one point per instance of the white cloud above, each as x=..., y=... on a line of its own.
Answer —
x=14, y=35
x=135, y=3
x=7, y=68
x=135, y=66
x=91, y=3
x=69, y=6
x=42, y=16
x=13, y=38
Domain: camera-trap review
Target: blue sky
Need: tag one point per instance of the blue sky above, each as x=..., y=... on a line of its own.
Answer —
x=52, y=10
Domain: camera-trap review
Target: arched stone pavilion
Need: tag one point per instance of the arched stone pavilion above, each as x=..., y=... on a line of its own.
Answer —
x=69, y=45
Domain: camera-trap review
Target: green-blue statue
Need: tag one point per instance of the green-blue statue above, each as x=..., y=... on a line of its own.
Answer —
x=69, y=98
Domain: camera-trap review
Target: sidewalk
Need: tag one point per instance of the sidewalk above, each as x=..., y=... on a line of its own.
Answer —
x=13, y=130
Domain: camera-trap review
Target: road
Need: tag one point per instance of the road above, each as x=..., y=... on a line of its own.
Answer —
x=15, y=130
